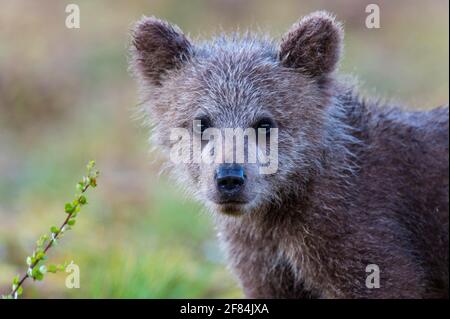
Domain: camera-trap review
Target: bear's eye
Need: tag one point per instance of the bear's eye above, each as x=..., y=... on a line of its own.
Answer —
x=201, y=124
x=264, y=125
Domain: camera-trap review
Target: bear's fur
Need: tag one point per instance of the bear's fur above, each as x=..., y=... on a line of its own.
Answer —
x=358, y=182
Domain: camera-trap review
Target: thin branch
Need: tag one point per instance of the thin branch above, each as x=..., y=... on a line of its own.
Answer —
x=40, y=253
x=52, y=240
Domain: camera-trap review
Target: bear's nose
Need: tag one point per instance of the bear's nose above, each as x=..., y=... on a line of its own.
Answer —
x=230, y=178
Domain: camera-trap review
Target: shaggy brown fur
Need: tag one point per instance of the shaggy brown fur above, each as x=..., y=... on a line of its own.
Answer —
x=358, y=183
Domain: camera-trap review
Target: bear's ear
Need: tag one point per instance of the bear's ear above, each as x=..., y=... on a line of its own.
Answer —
x=158, y=47
x=313, y=44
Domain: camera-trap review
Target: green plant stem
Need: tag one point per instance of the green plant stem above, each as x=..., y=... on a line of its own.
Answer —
x=52, y=240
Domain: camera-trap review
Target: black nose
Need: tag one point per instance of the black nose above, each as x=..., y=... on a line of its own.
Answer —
x=230, y=178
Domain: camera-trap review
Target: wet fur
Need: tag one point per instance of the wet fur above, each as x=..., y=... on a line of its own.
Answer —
x=358, y=182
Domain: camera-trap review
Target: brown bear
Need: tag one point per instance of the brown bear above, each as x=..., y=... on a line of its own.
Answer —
x=358, y=206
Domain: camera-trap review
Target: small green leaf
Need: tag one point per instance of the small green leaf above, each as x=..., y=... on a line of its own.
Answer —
x=40, y=255
x=68, y=208
x=16, y=280
x=52, y=268
x=90, y=165
x=93, y=182
x=41, y=241
x=71, y=222
x=82, y=200
x=54, y=229
x=80, y=186
x=36, y=274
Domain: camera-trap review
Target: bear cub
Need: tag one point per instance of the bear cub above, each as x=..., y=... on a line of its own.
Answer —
x=358, y=206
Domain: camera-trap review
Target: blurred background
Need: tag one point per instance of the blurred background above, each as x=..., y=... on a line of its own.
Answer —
x=66, y=97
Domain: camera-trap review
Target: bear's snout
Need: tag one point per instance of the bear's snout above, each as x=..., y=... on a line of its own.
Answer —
x=230, y=180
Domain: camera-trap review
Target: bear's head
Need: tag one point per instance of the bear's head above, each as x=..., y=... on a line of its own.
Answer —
x=269, y=99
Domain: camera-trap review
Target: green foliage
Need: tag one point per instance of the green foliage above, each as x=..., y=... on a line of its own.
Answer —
x=36, y=266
